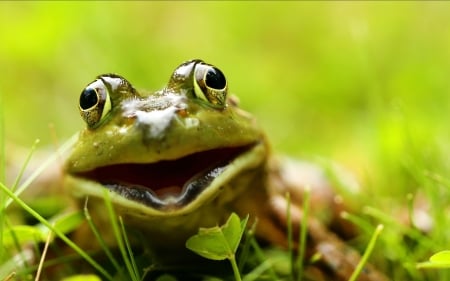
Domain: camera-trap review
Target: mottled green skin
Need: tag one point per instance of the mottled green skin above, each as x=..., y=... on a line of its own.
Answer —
x=125, y=136
x=198, y=126
x=178, y=121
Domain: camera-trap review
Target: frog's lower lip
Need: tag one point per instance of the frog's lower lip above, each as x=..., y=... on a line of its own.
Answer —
x=166, y=183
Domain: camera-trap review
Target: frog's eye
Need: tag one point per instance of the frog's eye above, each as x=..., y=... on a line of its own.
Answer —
x=210, y=85
x=95, y=103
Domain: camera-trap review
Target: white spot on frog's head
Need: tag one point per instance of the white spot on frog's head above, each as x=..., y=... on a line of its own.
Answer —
x=123, y=130
x=191, y=122
x=154, y=113
x=130, y=107
x=157, y=121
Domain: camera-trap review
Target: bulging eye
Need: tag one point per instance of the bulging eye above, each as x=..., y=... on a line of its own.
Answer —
x=95, y=103
x=210, y=84
x=89, y=98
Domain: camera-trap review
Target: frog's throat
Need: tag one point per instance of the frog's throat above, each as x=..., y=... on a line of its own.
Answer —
x=172, y=185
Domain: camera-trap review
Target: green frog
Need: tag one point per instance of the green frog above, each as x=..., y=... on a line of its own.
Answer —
x=187, y=156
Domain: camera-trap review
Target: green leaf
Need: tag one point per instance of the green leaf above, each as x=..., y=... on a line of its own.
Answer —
x=438, y=260
x=218, y=243
x=82, y=278
x=23, y=233
x=442, y=257
x=67, y=223
x=166, y=277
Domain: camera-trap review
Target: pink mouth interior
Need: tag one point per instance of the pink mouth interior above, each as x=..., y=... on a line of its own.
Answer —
x=164, y=177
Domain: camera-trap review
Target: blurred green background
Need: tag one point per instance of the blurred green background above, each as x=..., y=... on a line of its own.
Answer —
x=364, y=83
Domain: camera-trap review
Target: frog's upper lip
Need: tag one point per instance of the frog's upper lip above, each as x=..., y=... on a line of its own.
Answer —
x=168, y=183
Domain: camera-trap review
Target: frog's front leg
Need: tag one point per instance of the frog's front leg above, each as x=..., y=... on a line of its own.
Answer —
x=326, y=230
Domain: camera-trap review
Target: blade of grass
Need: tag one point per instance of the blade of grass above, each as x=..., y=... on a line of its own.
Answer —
x=3, y=197
x=10, y=276
x=25, y=164
x=12, y=263
x=16, y=242
x=256, y=273
x=53, y=157
x=362, y=223
x=245, y=250
x=44, y=254
x=261, y=257
x=2, y=147
x=100, y=239
x=445, y=181
x=129, y=250
x=57, y=232
x=367, y=253
x=411, y=232
x=119, y=238
x=303, y=231
x=410, y=204
x=289, y=235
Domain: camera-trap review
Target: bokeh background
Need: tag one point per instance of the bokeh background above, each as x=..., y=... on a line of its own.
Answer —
x=364, y=83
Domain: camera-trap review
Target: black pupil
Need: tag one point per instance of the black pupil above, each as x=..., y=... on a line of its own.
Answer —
x=215, y=79
x=88, y=98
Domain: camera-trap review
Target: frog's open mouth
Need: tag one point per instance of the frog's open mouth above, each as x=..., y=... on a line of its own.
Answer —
x=169, y=183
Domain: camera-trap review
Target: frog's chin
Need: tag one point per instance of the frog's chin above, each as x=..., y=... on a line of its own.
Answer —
x=176, y=184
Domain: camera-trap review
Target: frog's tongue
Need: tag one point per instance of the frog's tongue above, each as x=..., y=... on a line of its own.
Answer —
x=164, y=183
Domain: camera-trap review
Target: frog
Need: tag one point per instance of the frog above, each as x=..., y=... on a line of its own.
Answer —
x=185, y=157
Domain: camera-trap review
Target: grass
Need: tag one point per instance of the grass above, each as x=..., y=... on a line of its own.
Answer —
x=365, y=257
x=401, y=250
x=364, y=84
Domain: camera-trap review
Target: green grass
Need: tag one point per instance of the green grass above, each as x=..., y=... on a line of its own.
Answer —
x=364, y=84
x=397, y=251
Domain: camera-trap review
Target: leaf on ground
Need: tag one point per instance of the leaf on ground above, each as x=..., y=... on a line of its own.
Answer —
x=218, y=243
x=166, y=277
x=39, y=233
x=23, y=233
x=438, y=260
x=441, y=257
x=82, y=278
x=65, y=223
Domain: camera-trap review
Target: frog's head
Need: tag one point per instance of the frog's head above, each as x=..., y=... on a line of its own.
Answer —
x=165, y=152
